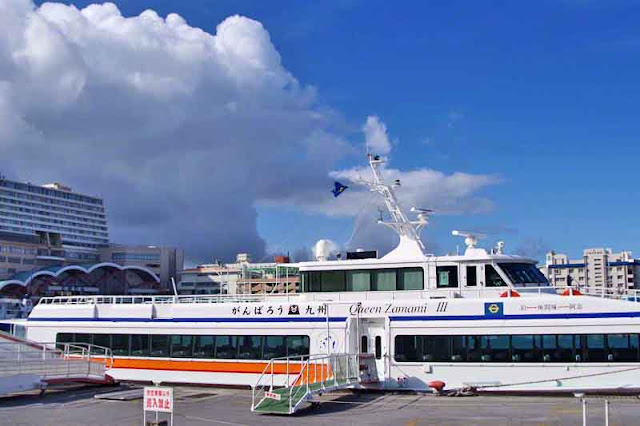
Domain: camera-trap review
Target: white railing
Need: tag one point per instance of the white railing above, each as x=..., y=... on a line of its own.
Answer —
x=54, y=361
x=302, y=375
x=468, y=292
x=135, y=300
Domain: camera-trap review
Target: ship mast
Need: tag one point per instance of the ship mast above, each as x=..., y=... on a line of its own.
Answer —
x=407, y=230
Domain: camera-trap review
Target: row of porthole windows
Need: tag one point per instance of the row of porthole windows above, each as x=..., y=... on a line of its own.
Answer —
x=519, y=348
x=194, y=346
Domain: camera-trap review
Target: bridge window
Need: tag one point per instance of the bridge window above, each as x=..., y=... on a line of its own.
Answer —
x=447, y=276
x=518, y=348
x=492, y=278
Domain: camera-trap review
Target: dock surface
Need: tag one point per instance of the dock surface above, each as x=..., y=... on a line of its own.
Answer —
x=210, y=406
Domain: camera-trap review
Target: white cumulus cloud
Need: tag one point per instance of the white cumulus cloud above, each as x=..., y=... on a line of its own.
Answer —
x=376, y=136
x=182, y=132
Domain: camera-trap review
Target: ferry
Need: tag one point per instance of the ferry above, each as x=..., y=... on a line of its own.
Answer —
x=483, y=319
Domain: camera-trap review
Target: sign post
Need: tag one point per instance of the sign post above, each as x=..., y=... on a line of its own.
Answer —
x=158, y=399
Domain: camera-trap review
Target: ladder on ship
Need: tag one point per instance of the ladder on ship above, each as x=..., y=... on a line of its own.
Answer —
x=287, y=383
x=27, y=365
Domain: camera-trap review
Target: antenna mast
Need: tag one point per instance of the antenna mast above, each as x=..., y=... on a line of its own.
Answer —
x=400, y=223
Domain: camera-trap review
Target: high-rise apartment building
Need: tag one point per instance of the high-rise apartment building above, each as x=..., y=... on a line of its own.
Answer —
x=598, y=268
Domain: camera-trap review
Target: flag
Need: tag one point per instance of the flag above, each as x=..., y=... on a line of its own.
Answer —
x=338, y=188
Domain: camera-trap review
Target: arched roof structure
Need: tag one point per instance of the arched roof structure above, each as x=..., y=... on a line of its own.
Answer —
x=25, y=277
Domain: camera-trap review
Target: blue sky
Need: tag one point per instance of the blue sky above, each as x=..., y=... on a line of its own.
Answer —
x=543, y=94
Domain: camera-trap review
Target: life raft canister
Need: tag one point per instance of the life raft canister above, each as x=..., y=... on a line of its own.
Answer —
x=437, y=385
x=569, y=292
x=513, y=294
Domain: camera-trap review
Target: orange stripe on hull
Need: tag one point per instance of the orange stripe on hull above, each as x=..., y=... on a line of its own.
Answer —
x=204, y=366
x=316, y=372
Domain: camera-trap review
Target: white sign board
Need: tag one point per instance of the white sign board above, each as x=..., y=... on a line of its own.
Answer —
x=272, y=395
x=158, y=399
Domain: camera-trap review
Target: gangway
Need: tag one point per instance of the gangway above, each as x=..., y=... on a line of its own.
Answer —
x=27, y=365
x=288, y=382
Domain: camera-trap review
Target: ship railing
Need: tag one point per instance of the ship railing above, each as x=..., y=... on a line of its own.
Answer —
x=294, y=378
x=55, y=361
x=135, y=300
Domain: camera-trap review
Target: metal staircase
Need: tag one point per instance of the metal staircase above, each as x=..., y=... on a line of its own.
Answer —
x=286, y=383
x=26, y=365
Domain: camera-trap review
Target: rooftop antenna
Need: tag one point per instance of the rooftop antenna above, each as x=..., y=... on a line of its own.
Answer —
x=400, y=223
x=470, y=238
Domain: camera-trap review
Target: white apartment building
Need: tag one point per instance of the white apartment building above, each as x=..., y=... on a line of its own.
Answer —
x=598, y=268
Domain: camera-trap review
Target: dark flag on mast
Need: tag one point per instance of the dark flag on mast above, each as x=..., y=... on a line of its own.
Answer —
x=338, y=188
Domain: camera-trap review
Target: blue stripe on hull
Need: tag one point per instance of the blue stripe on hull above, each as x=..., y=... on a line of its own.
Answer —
x=515, y=317
x=285, y=319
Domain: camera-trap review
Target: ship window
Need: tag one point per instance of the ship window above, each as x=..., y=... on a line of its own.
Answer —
x=297, y=345
x=558, y=348
x=139, y=345
x=595, y=349
x=103, y=340
x=472, y=278
x=623, y=347
x=64, y=337
x=447, y=276
x=526, y=348
x=410, y=279
x=82, y=338
x=181, y=346
x=364, y=344
x=204, y=346
x=159, y=345
x=566, y=348
x=492, y=278
x=273, y=347
x=378, y=347
x=524, y=273
x=358, y=281
x=226, y=347
x=250, y=347
x=120, y=344
x=333, y=281
x=385, y=280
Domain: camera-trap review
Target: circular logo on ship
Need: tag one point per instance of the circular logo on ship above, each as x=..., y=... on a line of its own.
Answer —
x=494, y=309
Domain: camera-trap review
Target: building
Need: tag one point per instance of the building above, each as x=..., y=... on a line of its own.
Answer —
x=241, y=277
x=56, y=241
x=597, y=269
x=165, y=262
x=48, y=224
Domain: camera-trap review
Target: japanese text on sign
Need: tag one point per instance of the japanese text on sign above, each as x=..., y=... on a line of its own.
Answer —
x=158, y=399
